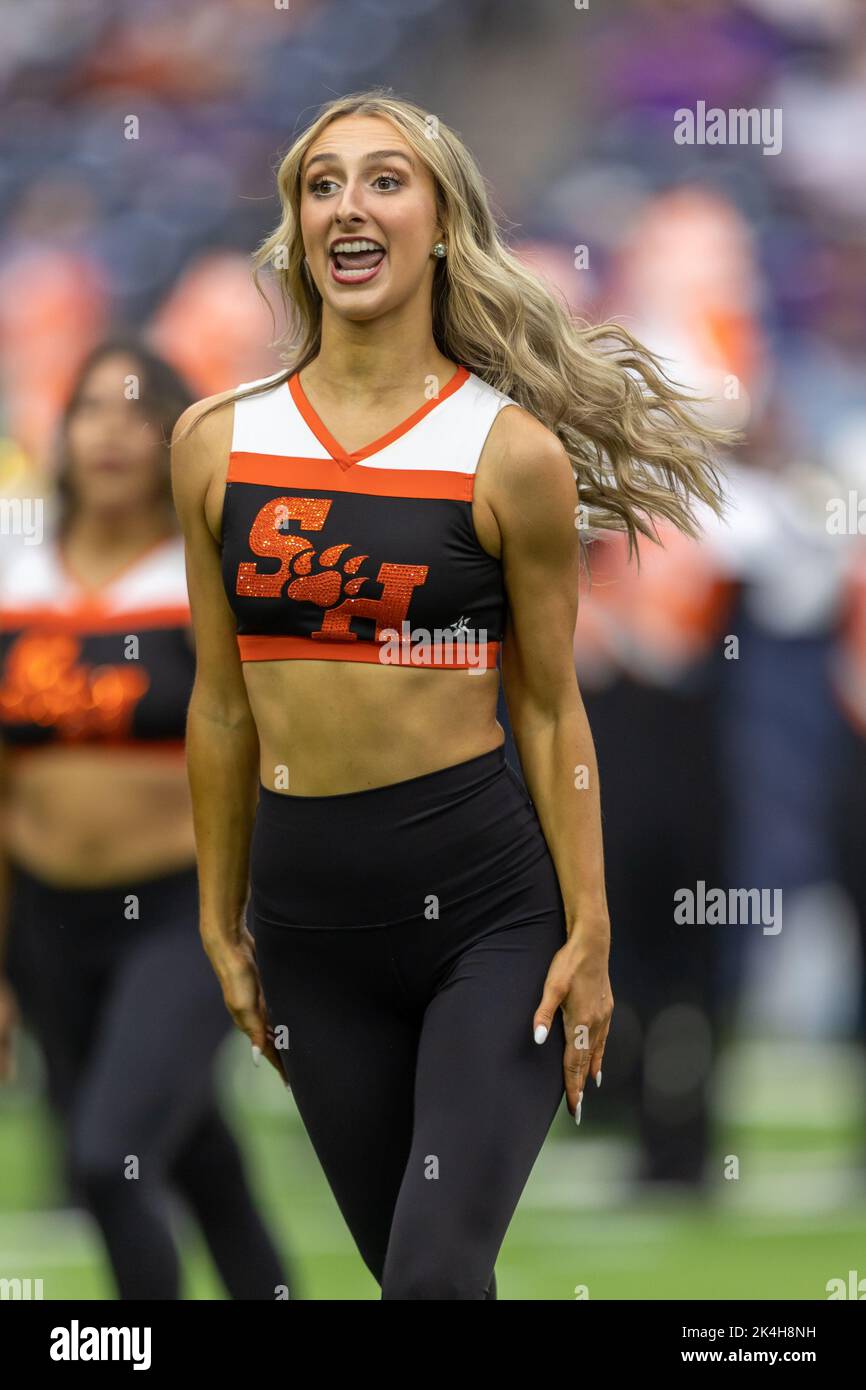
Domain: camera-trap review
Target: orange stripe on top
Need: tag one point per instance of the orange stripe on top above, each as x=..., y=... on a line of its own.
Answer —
x=278, y=470
x=90, y=616
x=258, y=648
x=336, y=450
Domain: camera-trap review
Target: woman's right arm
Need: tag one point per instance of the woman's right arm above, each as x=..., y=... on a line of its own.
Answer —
x=221, y=739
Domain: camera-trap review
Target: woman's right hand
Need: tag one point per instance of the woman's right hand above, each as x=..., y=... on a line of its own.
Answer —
x=237, y=972
x=9, y=1018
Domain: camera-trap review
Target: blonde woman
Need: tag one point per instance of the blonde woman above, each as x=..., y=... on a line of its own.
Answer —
x=425, y=953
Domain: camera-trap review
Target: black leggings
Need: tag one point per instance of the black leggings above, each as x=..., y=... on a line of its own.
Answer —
x=129, y=1016
x=403, y=935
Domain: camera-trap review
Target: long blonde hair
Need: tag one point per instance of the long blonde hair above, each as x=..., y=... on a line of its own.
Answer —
x=637, y=446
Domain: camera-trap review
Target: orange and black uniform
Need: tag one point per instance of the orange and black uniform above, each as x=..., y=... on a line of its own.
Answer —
x=113, y=981
x=404, y=932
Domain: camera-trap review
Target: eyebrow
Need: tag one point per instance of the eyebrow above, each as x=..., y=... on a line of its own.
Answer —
x=368, y=158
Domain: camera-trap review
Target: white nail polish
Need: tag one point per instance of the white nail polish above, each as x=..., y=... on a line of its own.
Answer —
x=577, y=1113
x=257, y=1055
x=598, y=1080
x=540, y=1033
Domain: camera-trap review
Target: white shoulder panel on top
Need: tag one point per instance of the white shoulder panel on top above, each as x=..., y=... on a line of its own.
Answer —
x=30, y=577
x=451, y=436
x=33, y=577
x=157, y=581
x=270, y=423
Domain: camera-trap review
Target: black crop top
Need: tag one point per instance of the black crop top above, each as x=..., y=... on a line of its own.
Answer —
x=368, y=556
x=108, y=666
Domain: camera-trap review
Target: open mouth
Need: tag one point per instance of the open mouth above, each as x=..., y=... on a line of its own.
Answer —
x=358, y=264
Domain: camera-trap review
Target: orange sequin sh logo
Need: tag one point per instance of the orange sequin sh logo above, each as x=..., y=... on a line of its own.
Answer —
x=45, y=683
x=325, y=585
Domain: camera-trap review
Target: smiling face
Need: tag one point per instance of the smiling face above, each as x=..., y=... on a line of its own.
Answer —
x=362, y=182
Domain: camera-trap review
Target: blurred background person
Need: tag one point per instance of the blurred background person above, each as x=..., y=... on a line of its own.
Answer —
x=100, y=895
x=847, y=817
x=650, y=659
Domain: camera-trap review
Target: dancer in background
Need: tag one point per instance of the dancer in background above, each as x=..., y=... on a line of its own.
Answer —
x=649, y=653
x=100, y=898
x=847, y=775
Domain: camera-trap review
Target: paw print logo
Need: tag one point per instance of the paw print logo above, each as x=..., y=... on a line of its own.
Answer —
x=326, y=584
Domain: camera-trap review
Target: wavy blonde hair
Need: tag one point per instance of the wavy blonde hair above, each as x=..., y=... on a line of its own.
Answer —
x=637, y=446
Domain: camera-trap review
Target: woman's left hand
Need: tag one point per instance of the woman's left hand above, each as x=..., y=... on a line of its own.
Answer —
x=578, y=983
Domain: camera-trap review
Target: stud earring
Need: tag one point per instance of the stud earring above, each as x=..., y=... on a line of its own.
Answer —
x=440, y=249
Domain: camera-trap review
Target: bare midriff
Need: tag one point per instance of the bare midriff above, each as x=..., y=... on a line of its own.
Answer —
x=327, y=727
x=84, y=817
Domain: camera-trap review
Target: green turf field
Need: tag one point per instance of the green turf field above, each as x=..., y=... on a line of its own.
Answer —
x=793, y=1219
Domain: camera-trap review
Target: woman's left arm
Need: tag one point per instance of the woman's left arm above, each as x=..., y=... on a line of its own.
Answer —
x=532, y=493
